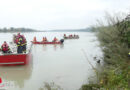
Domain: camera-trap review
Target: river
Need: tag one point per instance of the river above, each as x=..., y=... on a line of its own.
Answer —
x=53, y=66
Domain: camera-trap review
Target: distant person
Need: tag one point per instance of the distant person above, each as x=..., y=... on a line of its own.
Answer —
x=55, y=39
x=34, y=39
x=44, y=39
x=70, y=36
x=5, y=48
x=64, y=35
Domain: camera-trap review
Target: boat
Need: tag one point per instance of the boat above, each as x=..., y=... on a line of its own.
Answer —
x=11, y=59
x=76, y=37
x=36, y=42
x=15, y=59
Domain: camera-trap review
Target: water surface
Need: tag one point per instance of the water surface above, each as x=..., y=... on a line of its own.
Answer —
x=59, y=66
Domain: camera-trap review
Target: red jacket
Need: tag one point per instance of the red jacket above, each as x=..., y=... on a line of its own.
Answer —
x=5, y=47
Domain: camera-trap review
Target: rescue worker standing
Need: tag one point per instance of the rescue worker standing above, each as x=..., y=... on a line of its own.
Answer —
x=19, y=45
x=5, y=48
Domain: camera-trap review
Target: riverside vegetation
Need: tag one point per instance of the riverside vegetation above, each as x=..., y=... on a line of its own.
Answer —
x=115, y=43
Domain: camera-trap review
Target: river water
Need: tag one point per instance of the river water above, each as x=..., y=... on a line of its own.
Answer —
x=59, y=67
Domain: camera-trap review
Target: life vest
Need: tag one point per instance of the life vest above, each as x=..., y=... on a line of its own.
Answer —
x=45, y=39
x=5, y=47
x=20, y=42
x=34, y=39
x=55, y=39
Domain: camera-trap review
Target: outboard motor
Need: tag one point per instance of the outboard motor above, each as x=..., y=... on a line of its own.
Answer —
x=62, y=40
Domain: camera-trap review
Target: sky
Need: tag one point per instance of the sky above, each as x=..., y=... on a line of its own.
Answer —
x=57, y=14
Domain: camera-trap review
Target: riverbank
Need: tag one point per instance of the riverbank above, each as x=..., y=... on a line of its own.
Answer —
x=114, y=41
x=13, y=30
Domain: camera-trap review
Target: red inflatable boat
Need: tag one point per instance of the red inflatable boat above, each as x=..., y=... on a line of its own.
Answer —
x=46, y=42
x=14, y=59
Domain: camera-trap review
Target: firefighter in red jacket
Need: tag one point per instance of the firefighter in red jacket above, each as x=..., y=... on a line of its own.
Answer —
x=5, y=48
x=55, y=39
x=21, y=45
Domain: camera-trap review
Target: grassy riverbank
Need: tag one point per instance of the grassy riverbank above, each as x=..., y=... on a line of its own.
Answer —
x=114, y=41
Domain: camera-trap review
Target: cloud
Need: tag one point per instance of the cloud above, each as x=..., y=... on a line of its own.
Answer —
x=56, y=14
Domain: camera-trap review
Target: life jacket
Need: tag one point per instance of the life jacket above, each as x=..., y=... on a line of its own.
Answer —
x=20, y=42
x=45, y=39
x=55, y=39
x=5, y=47
x=34, y=39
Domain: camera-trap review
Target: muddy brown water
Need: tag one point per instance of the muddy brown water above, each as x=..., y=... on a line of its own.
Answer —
x=53, y=67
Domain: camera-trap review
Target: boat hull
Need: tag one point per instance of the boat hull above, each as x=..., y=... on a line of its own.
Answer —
x=14, y=59
x=46, y=42
x=71, y=37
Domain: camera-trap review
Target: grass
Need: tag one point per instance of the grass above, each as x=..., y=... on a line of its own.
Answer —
x=115, y=41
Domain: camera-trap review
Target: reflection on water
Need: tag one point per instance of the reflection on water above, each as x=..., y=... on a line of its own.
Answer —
x=16, y=74
x=54, y=66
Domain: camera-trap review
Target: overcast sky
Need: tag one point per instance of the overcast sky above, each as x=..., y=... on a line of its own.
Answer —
x=56, y=14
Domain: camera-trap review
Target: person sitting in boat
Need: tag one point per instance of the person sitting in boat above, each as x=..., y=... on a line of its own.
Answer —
x=5, y=48
x=44, y=39
x=70, y=36
x=77, y=36
x=64, y=35
x=55, y=39
x=34, y=39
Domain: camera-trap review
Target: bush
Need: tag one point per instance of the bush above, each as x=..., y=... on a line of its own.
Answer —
x=114, y=40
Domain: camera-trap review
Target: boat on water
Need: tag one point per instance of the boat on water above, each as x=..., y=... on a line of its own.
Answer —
x=76, y=37
x=15, y=59
x=59, y=42
x=47, y=42
x=11, y=59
